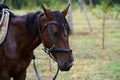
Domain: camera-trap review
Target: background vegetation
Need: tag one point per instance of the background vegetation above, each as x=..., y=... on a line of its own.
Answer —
x=91, y=61
x=22, y=4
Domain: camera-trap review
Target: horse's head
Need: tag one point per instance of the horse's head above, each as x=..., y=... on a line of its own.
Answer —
x=55, y=37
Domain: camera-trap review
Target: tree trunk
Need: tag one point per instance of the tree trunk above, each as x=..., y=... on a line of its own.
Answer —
x=103, y=32
x=2, y=1
x=91, y=3
x=70, y=19
x=86, y=14
x=80, y=4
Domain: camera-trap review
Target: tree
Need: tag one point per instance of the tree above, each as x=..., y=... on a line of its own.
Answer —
x=70, y=20
x=83, y=7
x=105, y=9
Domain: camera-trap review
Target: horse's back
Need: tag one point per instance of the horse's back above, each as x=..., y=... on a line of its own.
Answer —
x=12, y=51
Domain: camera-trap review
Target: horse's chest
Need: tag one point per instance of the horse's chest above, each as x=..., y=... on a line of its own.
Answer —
x=21, y=66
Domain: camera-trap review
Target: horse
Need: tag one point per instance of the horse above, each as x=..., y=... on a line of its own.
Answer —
x=26, y=32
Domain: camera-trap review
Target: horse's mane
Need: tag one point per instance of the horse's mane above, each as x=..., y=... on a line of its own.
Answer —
x=32, y=18
x=31, y=21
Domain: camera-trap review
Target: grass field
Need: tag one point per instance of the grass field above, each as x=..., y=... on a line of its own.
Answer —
x=91, y=61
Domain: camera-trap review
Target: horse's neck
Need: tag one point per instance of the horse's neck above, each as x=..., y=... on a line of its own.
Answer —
x=22, y=38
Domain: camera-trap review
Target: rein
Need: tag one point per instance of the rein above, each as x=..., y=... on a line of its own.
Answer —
x=35, y=68
x=36, y=71
x=46, y=51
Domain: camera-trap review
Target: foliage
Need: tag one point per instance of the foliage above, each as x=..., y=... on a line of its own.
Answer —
x=107, y=8
x=26, y=4
x=98, y=2
x=105, y=5
x=95, y=2
x=19, y=4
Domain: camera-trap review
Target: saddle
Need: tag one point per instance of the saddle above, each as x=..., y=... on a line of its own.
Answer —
x=4, y=20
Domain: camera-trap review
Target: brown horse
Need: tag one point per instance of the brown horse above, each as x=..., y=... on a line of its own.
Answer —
x=27, y=32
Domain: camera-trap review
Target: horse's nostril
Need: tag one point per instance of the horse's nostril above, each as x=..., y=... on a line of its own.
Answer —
x=65, y=66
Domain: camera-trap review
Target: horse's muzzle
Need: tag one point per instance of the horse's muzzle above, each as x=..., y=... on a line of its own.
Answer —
x=64, y=66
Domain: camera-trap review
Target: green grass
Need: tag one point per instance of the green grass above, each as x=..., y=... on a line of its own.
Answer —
x=91, y=61
x=111, y=71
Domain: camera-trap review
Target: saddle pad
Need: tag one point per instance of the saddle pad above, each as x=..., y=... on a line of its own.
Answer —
x=4, y=25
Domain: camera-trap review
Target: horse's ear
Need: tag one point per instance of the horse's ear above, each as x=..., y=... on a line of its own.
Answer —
x=66, y=10
x=47, y=13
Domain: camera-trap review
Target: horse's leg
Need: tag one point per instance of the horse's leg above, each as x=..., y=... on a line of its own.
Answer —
x=21, y=76
x=4, y=75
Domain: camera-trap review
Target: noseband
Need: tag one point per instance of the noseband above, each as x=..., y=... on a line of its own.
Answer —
x=53, y=48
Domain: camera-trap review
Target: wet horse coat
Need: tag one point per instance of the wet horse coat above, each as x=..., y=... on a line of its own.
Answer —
x=16, y=52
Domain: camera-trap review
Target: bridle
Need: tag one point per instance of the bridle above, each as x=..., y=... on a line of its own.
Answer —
x=53, y=48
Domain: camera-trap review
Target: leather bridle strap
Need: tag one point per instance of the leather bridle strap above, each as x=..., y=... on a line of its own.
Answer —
x=54, y=49
x=40, y=33
x=48, y=23
x=60, y=50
